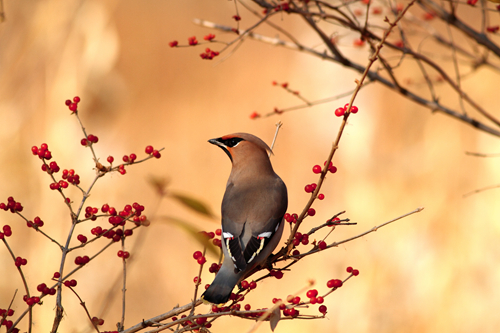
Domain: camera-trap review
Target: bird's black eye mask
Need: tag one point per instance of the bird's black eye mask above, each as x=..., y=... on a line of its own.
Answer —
x=226, y=143
x=232, y=142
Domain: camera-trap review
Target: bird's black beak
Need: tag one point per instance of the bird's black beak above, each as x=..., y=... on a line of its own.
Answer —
x=215, y=142
x=218, y=143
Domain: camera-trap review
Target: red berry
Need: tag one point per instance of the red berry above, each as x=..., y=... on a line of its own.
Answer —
x=360, y=42
x=320, y=299
x=76, y=99
x=339, y=112
x=173, y=43
x=312, y=293
x=192, y=41
x=244, y=284
x=84, y=142
x=321, y=245
x=202, y=260
x=92, y=138
x=209, y=37
x=73, y=107
x=355, y=272
x=296, y=300
x=156, y=154
x=120, y=254
x=149, y=149
x=254, y=115
x=321, y=196
x=332, y=169
x=197, y=255
x=349, y=269
x=218, y=232
x=322, y=309
x=247, y=307
x=252, y=285
x=110, y=159
x=57, y=275
x=311, y=212
x=354, y=109
x=67, y=102
x=316, y=169
x=82, y=238
x=125, y=158
x=308, y=189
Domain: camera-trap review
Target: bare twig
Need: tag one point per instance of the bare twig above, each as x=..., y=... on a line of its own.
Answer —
x=19, y=269
x=481, y=190
x=375, y=228
x=278, y=126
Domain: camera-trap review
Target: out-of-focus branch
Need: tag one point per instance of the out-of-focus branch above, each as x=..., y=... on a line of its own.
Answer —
x=432, y=104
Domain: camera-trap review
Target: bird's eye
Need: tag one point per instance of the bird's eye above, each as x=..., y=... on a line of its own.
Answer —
x=233, y=142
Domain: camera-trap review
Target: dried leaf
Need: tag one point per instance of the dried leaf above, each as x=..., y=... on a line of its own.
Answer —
x=194, y=232
x=274, y=318
x=159, y=184
x=192, y=203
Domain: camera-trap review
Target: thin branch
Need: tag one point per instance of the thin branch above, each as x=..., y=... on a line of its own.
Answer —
x=335, y=244
x=198, y=282
x=121, y=325
x=335, y=146
x=481, y=154
x=155, y=320
x=278, y=126
x=481, y=190
x=372, y=76
x=19, y=269
x=82, y=303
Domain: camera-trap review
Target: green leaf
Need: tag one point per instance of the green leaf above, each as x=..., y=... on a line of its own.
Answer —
x=194, y=232
x=192, y=203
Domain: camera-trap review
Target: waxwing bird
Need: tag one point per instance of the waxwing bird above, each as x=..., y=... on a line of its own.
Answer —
x=252, y=212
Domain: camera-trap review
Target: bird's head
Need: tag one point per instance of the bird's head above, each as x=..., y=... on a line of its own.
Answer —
x=243, y=148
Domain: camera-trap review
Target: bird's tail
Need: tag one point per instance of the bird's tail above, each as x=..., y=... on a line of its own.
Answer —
x=222, y=286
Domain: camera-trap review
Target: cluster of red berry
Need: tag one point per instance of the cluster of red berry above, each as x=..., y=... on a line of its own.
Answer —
x=73, y=105
x=4, y=313
x=132, y=213
x=42, y=287
x=339, y=112
x=11, y=205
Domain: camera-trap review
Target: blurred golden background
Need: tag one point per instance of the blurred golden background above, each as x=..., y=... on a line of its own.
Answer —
x=436, y=271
